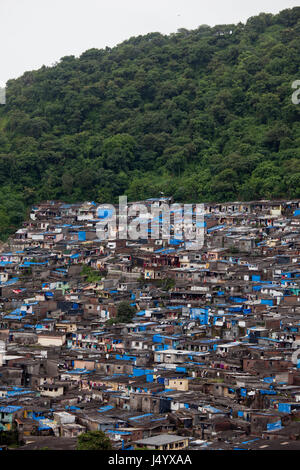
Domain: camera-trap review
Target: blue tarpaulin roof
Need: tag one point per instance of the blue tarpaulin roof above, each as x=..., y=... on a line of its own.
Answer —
x=10, y=409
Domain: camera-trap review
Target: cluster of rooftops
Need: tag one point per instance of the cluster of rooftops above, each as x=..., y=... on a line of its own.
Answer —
x=209, y=358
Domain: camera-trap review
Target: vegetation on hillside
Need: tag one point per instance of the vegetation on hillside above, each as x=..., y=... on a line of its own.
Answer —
x=125, y=313
x=93, y=440
x=90, y=274
x=203, y=115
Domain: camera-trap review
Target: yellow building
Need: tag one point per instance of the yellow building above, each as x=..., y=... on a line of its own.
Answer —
x=178, y=384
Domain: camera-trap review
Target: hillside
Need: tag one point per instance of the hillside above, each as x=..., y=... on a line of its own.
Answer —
x=203, y=115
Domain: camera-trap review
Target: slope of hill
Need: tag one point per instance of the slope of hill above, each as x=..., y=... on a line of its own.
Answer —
x=203, y=115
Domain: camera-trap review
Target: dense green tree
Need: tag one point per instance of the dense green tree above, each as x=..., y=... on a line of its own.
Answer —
x=125, y=312
x=93, y=440
x=203, y=115
x=119, y=152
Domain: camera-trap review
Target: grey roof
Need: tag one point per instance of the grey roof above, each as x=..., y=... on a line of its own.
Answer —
x=161, y=439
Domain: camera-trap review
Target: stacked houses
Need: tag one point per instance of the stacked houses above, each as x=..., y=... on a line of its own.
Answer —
x=209, y=357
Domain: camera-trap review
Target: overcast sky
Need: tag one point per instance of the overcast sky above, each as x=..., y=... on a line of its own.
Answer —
x=39, y=32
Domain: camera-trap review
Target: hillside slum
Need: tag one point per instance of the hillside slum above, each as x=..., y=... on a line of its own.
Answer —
x=207, y=361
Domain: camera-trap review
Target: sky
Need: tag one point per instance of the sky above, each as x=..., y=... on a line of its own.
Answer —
x=39, y=32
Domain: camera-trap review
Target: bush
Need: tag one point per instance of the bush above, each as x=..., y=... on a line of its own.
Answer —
x=93, y=440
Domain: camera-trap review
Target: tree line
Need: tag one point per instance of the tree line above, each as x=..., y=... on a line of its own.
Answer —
x=204, y=115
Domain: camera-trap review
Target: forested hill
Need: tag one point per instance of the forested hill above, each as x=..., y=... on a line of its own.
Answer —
x=202, y=115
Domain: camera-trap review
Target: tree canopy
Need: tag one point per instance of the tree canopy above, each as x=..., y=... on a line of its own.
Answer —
x=204, y=115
